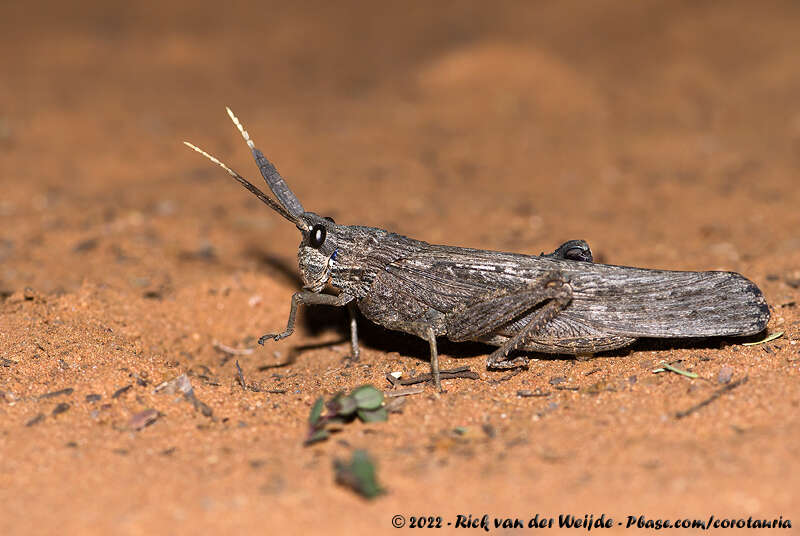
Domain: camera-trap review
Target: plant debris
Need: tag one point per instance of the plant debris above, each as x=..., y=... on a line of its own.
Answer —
x=358, y=474
x=140, y=379
x=36, y=420
x=181, y=384
x=143, y=419
x=240, y=376
x=54, y=394
x=405, y=391
x=122, y=390
x=365, y=402
x=507, y=377
x=525, y=393
x=666, y=366
x=768, y=338
x=61, y=408
x=459, y=372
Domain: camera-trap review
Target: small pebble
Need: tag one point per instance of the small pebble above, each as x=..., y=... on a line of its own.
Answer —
x=144, y=418
x=725, y=374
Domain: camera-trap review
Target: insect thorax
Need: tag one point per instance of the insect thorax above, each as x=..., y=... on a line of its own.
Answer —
x=351, y=258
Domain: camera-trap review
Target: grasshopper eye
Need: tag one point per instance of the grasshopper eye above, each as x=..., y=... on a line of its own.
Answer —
x=317, y=236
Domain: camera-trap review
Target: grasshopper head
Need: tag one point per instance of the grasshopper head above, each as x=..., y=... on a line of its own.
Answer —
x=317, y=248
x=317, y=251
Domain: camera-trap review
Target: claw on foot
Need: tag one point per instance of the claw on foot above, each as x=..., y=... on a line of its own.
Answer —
x=264, y=338
x=500, y=361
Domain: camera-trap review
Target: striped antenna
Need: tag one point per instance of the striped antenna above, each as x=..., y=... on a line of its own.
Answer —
x=247, y=184
x=273, y=179
x=244, y=133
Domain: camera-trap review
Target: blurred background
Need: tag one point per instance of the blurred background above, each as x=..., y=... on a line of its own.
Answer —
x=666, y=133
x=658, y=131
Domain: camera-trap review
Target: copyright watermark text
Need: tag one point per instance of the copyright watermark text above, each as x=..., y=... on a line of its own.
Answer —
x=586, y=522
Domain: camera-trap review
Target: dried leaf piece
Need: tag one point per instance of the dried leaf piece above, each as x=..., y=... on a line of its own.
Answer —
x=181, y=384
x=406, y=391
x=54, y=394
x=121, y=391
x=143, y=419
x=240, y=376
x=525, y=393
x=36, y=420
x=61, y=408
x=458, y=372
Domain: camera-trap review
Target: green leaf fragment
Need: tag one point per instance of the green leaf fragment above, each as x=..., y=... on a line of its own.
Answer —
x=373, y=415
x=367, y=397
x=358, y=474
x=316, y=411
x=337, y=420
x=768, y=338
x=343, y=405
x=319, y=435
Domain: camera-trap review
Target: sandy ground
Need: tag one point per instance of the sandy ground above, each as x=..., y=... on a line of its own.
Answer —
x=667, y=134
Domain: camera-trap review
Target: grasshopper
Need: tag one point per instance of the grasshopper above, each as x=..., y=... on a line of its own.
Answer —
x=560, y=303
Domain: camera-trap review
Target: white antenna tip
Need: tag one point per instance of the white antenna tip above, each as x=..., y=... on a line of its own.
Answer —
x=238, y=124
x=210, y=157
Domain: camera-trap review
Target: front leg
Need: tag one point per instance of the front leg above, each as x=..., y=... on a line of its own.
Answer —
x=306, y=297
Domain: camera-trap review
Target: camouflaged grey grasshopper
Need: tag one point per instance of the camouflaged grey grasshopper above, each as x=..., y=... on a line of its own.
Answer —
x=561, y=303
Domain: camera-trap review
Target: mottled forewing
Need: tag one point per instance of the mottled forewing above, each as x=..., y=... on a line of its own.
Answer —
x=607, y=299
